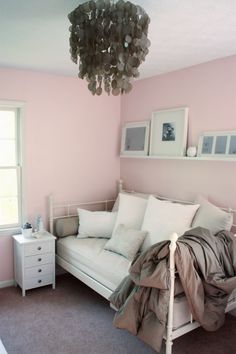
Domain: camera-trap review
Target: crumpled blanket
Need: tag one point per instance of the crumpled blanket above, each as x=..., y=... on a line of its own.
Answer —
x=206, y=265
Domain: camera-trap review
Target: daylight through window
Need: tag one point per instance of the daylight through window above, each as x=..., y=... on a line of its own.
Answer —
x=10, y=167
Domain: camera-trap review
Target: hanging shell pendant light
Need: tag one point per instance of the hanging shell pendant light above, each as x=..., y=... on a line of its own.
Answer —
x=110, y=41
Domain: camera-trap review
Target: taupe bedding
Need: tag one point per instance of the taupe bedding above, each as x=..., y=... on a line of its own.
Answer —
x=207, y=267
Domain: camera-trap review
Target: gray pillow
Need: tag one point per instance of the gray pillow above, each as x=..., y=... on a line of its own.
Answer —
x=211, y=217
x=66, y=226
x=126, y=242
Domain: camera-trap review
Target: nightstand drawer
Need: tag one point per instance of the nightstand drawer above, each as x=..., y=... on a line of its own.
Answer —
x=39, y=271
x=39, y=259
x=38, y=281
x=39, y=248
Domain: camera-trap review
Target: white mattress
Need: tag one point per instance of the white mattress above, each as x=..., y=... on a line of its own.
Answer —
x=88, y=255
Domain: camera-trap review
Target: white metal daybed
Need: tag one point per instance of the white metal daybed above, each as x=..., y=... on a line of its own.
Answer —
x=180, y=320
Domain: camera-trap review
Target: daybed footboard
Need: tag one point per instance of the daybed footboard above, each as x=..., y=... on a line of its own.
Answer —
x=169, y=341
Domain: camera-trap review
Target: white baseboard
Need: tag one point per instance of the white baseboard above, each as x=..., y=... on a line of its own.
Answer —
x=6, y=283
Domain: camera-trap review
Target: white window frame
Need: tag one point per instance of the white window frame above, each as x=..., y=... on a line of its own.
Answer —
x=19, y=108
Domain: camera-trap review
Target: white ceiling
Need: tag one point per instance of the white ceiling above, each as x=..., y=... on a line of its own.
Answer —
x=34, y=34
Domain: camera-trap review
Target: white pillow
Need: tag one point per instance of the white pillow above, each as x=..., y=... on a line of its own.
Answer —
x=95, y=223
x=126, y=241
x=136, y=194
x=131, y=211
x=211, y=217
x=162, y=218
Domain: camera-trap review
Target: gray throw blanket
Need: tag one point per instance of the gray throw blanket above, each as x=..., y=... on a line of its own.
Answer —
x=206, y=265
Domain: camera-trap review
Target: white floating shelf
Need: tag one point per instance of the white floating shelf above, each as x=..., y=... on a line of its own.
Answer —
x=197, y=158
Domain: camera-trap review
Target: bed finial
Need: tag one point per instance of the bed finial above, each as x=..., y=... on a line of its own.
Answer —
x=174, y=237
x=50, y=200
x=120, y=185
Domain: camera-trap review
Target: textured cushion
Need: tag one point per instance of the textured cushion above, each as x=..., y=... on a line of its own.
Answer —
x=211, y=217
x=96, y=223
x=66, y=226
x=126, y=241
x=162, y=218
x=131, y=211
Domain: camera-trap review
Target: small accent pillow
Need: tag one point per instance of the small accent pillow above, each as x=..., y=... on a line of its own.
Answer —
x=95, y=223
x=211, y=217
x=126, y=242
x=162, y=218
x=131, y=211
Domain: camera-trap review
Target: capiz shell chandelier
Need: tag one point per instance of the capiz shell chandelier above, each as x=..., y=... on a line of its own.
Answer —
x=110, y=41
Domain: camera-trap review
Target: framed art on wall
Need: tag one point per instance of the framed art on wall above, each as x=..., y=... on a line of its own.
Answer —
x=169, y=129
x=215, y=144
x=135, y=138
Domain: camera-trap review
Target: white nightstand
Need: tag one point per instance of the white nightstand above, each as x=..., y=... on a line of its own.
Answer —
x=34, y=261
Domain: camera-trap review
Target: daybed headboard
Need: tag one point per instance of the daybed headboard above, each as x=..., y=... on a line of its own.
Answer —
x=66, y=210
x=226, y=208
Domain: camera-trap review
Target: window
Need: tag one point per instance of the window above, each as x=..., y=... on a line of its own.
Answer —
x=10, y=165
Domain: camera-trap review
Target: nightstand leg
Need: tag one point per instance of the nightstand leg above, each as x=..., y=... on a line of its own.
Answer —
x=23, y=292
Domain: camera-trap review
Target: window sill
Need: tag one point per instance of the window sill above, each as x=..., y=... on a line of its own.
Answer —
x=10, y=231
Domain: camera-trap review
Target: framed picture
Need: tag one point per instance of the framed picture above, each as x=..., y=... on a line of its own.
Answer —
x=135, y=138
x=220, y=143
x=169, y=130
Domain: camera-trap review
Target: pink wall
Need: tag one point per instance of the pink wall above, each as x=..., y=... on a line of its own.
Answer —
x=209, y=92
x=70, y=140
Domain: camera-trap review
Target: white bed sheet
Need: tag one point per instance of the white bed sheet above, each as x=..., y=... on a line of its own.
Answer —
x=88, y=255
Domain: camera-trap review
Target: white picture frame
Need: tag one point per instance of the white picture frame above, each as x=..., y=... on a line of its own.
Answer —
x=135, y=138
x=169, y=129
x=217, y=144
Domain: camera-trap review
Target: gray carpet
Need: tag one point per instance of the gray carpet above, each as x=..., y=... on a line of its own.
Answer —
x=73, y=319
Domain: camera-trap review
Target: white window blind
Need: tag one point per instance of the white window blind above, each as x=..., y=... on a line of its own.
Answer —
x=10, y=167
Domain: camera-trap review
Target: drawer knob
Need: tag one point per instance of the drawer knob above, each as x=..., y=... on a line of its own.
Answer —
x=39, y=281
x=39, y=259
x=40, y=270
x=39, y=248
